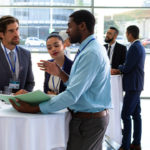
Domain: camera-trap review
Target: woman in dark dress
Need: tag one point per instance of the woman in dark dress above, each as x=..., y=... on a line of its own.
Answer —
x=55, y=47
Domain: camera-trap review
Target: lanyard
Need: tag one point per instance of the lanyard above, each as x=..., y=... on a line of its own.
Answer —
x=12, y=69
x=55, y=88
x=86, y=45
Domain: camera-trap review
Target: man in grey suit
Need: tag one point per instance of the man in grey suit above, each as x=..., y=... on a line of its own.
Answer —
x=15, y=61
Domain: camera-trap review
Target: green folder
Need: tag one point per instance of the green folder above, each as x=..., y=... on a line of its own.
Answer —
x=35, y=97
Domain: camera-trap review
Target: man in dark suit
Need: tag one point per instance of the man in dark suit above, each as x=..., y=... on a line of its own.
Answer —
x=116, y=51
x=15, y=62
x=133, y=82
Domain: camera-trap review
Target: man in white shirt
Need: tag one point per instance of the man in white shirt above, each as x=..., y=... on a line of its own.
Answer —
x=116, y=51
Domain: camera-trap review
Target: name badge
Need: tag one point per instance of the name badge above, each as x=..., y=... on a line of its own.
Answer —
x=14, y=84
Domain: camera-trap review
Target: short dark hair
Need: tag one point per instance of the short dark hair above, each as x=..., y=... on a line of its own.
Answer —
x=134, y=31
x=6, y=20
x=116, y=30
x=84, y=16
x=55, y=35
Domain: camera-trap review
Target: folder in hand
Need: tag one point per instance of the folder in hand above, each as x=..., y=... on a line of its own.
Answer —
x=35, y=97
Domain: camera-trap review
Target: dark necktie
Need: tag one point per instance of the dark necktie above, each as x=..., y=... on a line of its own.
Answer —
x=109, y=49
x=12, y=58
x=77, y=54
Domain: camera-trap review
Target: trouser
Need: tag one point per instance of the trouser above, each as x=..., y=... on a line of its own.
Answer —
x=87, y=133
x=131, y=107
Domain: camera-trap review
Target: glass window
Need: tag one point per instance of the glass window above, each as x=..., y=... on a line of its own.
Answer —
x=120, y=3
x=39, y=22
x=46, y=16
x=121, y=18
x=47, y=2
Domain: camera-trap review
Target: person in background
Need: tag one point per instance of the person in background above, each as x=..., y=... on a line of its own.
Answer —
x=67, y=43
x=88, y=87
x=15, y=61
x=133, y=82
x=116, y=51
x=55, y=47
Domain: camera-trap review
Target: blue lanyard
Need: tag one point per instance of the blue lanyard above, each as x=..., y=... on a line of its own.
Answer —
x=12, y=69
x=86, y=45
x=55, y=88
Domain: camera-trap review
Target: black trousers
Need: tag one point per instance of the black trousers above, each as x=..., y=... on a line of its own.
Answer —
x=87, y=134
x=131, y=111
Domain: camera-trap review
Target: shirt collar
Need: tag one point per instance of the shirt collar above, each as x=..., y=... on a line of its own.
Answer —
x=84, y=42
x=7, y=50
x=113, y=45
x=135, y=41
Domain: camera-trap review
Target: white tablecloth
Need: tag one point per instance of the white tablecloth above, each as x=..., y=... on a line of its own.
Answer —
x=114, y=127
x=22, y=131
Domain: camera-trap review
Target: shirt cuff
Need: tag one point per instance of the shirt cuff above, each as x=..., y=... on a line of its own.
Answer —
x=66, y=83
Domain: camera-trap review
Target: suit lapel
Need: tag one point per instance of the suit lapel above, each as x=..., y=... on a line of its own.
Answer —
x=20, y=59
x=115, y=53
x=4, y=61
x=106, y=46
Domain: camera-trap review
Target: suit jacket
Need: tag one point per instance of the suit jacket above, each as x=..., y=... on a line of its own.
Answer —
x=119, y=55
x=25, y=69
x=66, y=67
x=133, y=69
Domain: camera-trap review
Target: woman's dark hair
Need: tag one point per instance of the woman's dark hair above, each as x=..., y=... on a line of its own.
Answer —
x=55, y=35
x=84, y=16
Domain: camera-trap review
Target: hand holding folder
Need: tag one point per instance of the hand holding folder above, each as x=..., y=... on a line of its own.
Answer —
x=28, y=102
x=35, y=97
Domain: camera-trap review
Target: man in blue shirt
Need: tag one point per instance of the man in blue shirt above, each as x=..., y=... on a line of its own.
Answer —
x=88, y=87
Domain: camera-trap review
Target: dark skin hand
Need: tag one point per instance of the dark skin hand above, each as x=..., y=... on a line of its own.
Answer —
x=25, y=107
x=53, y=68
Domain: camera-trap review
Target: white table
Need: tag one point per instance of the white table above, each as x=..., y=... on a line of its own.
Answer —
x=114, y=127
x=22, y=131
